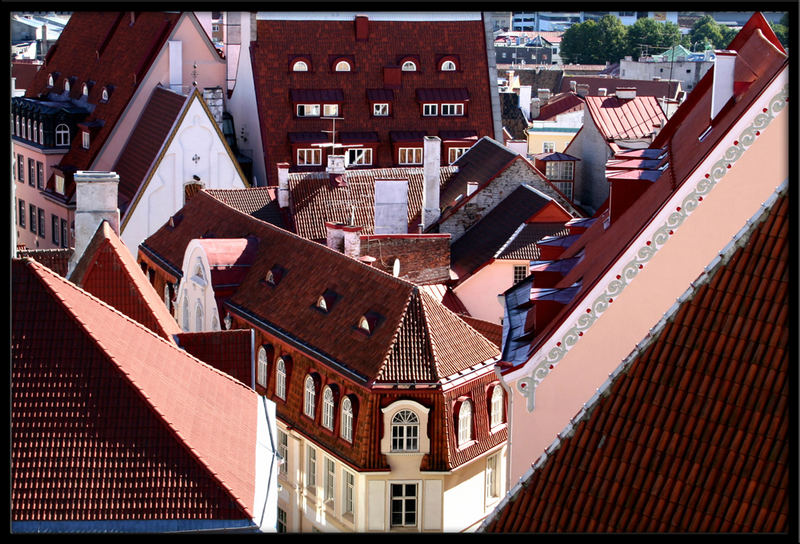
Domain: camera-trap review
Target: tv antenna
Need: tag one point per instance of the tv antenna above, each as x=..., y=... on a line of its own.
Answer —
x=332, y=144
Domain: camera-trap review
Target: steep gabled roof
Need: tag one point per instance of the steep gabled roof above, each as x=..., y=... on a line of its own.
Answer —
x=315, y=200
x=625, y=119
x=564, y=102
x=108, y=271
x=260, y=202
x=691, y=434
x=110, y=422
x=228, y=351
x=309, y=269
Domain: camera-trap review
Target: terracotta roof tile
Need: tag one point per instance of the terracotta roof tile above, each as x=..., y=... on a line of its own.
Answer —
x=706, y=461
x=260, y=202
x=628, y=119
x=56, y=260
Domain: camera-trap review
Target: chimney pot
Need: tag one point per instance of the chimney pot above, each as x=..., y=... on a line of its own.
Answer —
x=283, y=184
x=96, y=201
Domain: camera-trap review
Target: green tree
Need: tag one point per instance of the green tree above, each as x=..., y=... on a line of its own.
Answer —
x=594, y=42
x=648, y=36
x=706, y=31
x=781, y=30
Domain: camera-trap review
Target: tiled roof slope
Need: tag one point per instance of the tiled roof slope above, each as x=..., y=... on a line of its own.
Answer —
x=105, y=48
x=561, y=103
x=108, y=271
x=692, y=436
x=111, y=422
x=484, y=239
x=146, y=140
x=387, y=43
x=479, y=164
x=522, y=244
x=625, y=119
x=260, y=202
x=491, y=331
x=314, y=200
x=228, y=351
x=311, y=269
x=56, y=260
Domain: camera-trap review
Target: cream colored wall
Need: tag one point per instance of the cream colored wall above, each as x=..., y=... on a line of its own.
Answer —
x=537, y=139
x=479, y=292
x=210, y=73
x=465, y=500
x=563, y=391
x=163, y=195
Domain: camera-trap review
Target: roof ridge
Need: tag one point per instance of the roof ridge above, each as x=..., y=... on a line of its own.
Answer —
x=395, y=337
x=136, y=387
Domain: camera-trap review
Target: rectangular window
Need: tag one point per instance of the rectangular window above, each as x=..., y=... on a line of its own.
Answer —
x=380, y=110
x=64, y=239
x=565, y=187
x=14, y=166
x=559, y=170
x=404, y=505
x=520, y=273
x=32, y=172
x=359, y=157
x=455, y=152
x=492, y=481
x=330, y=480
x=309, y=157
x=453, y=109
x=40, y=211
x=348, y=506
x=548, y=147
x=55, y=228
x=21, y=168
x=430, y=110
x=281, y=523
x=60, y=184
x=308, y=110
x=311, y=468
x=22, y=213
x=283, y=451
x=410, y=155
x=32, y=216
x=85, y=140
x=330, y=110
x=39, y=175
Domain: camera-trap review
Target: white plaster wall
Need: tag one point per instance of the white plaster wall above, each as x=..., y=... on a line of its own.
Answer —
x=196, y=136
x=591, y=186
x=198, y=292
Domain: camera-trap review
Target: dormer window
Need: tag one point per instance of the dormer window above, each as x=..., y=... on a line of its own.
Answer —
x=299, y=66
x=62, y=135
x=342, y=66
x=368, y=322
x=104, y=95
x=330, y=110
x=448, y=66
x=363, y=324
x=380, y=109
x=430, y=110
x=326, y=300
x=85, y=90
x=50, y=80
x=274, y=275
x=86, y=140
x=409, y=66
x=465, y=423
x=308, y=110
x=66, y=85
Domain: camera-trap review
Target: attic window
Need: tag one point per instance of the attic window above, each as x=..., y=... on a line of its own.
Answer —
x=368, y=322
x=448, y=66
x=104, y=96
x=363, y=324
x=66, y=85
x=342, y=66
x=50, y=80
x=85, y=90
x=300, y=66
x=326, y=300
x=274, y=275
x=409, y=66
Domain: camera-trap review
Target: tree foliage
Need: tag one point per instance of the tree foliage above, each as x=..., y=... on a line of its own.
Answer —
x=707, y=32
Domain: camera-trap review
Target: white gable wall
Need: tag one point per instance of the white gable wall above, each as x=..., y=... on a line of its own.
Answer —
x=195, y=148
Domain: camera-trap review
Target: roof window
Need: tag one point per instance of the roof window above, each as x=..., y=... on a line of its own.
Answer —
x=343, y=66
x=301, y=65
x=409, y=66
x=369, y=322
x=274, y=275
x=326, y=301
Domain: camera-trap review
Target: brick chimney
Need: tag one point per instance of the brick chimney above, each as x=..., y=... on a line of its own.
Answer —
x=431, y=173
x=362, y=28
x=391, y=206
x=95, y=202
x=722, y=86
x=283, y=184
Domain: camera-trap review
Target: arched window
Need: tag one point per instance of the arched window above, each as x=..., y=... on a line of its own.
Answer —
x=62, y=134
x=363, y=324
x=16, y=125
x=85, y=90
x=465, y=422
x=347, y=420
x=261, y=372
x=104, y=95
x=26, y=127
x=327, y=409
x=280, y=379
x=35, y=132
x=409, y=66
x=405, y=431
x=66, y=85
x=300, y=66
x=24, y=133
x=496, y=416
x=198, y=316
x=321, y=304
x=50, y=80
x=342, y=66
x=309, y=397
x=448, y=66
x=185, y=316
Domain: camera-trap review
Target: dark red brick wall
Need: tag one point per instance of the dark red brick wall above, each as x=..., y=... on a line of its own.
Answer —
x=423, y=259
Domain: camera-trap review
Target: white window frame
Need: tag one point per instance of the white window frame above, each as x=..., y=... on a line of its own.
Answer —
x=497, y=403
x=85, y=90
x=308, y=110
x=430, y=110
x=283, y=451
x=310, y=156
x=409, y=66
x=300, y=66
x=330, y=481
x=348, y=493
x=261, y=372
x=66, y=85
x=62, y=134
x=465, y=423
x=560, y=170
x=24, y=131
x=328, y=408
x=548, y=147
x=455, y=152
x=330, y=110
x=342, y=66
x=380, y=109
x=309, y=396
x=412, y=153
x=403, y=498
x=346, y=422
x=60, y=184
x=405, y=431
x=85, y=139
x=104, y=95
x=453, y=110
x=492, y=477
x=311, y=469
x=41, y=133
x=359, y=157
x=280, y=378
x=448, y=66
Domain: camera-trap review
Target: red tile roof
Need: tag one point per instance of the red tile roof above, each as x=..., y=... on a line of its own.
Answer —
x=108, y=271
x=148, y=137
x=692, y=435
x=228, y=351
x=491, y=331
x=627, y=119
x=56, y=260
x=314, y=200
x=560, y=103
x=402, y=344
x=388, y=42
x=24, y=71
x=120, y=55
x=111, y=422
x=260, y=202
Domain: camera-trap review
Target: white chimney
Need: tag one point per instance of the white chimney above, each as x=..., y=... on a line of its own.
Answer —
x=472, y=186
x=602, y=91
x=525, y=92
x=283, y=184
x=334, y=236
x=626, y=93
x=176, y=65
x=573, y=86
x=391, y=206
x=336, y=164
x=431, y=172
x=95, y=202
x=352, y=241
x=535, y=108
x=722, y=86
x=543, y=94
